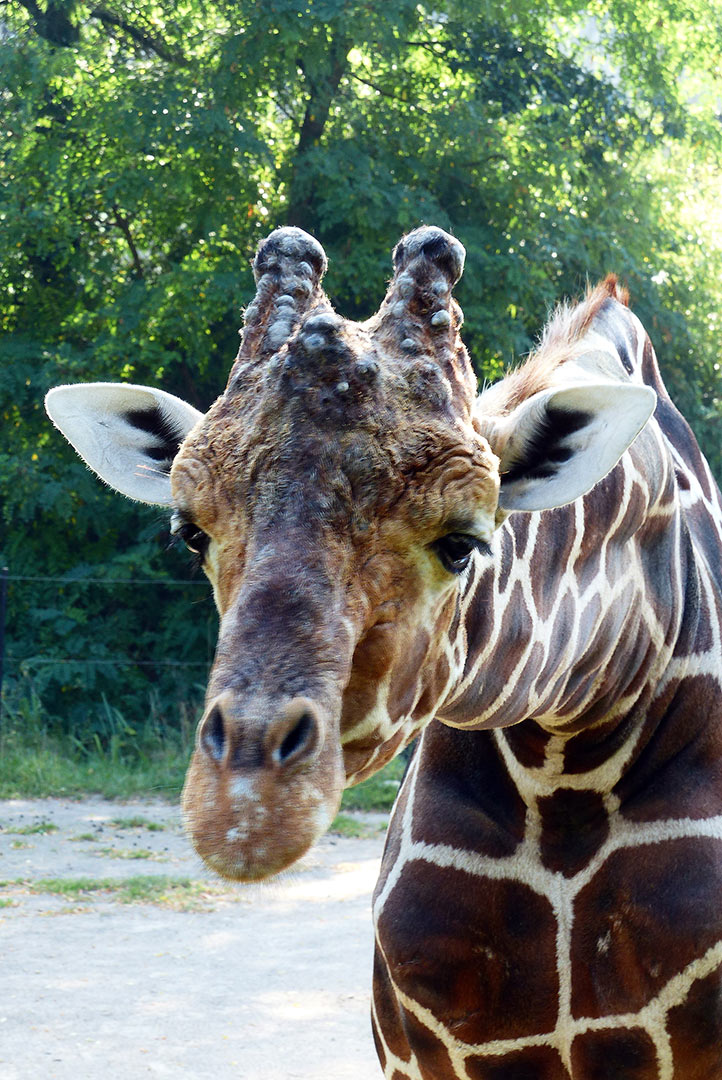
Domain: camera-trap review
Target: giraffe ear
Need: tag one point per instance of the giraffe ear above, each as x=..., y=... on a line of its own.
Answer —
x=129, y=435
x=559, y=443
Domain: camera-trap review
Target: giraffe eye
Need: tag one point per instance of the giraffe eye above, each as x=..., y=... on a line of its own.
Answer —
x=454, y=550
x=194, y=538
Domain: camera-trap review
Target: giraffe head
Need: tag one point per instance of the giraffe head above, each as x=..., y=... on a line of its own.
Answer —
x=335, y=492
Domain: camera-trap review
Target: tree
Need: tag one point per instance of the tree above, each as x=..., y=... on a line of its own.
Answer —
x=150, y=145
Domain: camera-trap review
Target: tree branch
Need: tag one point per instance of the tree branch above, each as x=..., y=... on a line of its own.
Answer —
x=387, y=93
x=322, y=87
x=430, y=45
x=55, y=24
x=322, y=93
x=124, y=226
x=140, y=37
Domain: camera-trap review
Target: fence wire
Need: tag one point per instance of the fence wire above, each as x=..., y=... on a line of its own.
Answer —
x=24, y=663
x=110, y=581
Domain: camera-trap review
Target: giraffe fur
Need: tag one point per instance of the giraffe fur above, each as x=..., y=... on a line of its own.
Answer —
x=529, y=578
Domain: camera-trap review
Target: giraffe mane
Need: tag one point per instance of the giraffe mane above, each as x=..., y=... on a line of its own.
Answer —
x=559, y=342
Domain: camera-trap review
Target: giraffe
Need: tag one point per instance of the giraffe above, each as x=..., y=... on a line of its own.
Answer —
x=529, y=579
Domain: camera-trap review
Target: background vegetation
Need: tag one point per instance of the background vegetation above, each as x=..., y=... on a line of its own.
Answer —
x=148, y=145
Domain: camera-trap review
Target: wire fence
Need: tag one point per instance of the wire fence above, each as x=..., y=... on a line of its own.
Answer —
x=109, y=581
x=24, y=664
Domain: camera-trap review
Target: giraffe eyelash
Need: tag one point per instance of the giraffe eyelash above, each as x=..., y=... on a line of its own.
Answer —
x=454, y=550
x=185, y=531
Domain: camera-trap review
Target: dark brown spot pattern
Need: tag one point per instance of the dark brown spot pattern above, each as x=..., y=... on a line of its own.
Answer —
x=627, y=1054
x=694, y=1028
x=469, y=960
x=534, y=1063
x=633, y=932
x=472, y=806
x=574, y=827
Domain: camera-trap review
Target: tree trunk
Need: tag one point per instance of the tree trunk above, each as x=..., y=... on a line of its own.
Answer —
x=322, y=86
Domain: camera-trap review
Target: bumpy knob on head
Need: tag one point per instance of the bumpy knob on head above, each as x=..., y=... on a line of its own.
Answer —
x=434, y=244
x=290, y=251
x=288, y=268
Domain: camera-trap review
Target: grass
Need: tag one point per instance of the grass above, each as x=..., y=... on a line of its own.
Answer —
x=379, y=791
x=180, y=893
x=130, y=853
x=37, y=763
x=136, y=823
x=116, y=761
x=57, y=769
x=41, y=828
x=343, y=825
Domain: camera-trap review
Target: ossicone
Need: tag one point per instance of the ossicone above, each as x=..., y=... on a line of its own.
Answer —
x=430, y=244
x=290, y=252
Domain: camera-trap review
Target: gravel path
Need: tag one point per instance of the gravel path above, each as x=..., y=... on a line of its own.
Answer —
x=121, y=957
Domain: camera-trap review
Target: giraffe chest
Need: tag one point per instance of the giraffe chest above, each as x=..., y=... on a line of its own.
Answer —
x=501, y=959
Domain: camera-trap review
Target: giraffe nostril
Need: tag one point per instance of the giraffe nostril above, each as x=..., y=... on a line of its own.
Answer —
x=296, y=740
x=296, y=737
x=213, y=734
x=237, y=742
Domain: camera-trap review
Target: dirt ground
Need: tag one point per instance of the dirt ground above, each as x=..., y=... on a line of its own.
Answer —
x=121, y=957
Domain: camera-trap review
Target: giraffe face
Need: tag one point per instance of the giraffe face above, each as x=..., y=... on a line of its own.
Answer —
x=335, y=493
x=335, y=517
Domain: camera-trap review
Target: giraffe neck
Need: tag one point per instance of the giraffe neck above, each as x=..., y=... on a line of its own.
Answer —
x=648, y=666
x=598, y=624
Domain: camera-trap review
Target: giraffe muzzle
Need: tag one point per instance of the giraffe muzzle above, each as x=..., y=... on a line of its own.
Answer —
x=263, y=784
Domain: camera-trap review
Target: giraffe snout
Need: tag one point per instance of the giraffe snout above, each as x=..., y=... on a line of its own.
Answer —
x=264, y=782
x=291, y=738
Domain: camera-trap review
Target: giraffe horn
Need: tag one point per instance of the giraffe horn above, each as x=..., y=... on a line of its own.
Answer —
x=288, y=268
x=432, y=245
x=418, y=309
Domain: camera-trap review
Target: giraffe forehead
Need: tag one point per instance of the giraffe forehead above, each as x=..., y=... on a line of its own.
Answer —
x=338, y=370
x=333, y=454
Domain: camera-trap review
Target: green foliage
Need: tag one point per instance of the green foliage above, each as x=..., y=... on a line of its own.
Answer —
x=147, y=149
x=379, y=791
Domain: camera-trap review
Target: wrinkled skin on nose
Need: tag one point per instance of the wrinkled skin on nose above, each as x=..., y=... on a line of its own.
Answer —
x=321, y=482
